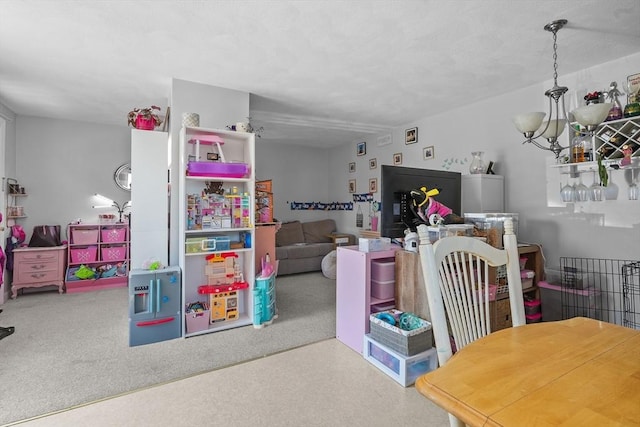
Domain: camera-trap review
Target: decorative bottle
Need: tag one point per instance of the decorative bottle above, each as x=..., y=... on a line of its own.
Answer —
x=359, y=218
x=477, y=165
x=577, y=146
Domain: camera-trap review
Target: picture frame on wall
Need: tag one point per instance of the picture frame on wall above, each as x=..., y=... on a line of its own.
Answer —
x=397, y=159
x=373, y=185
x=361, y=148
x=411, y=136
x=427, y=153
x=352, y=186
x=373, y=163
x=352, y=167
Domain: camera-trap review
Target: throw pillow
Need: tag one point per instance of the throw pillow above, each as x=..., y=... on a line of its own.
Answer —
x=318, y=231
x=289, y=234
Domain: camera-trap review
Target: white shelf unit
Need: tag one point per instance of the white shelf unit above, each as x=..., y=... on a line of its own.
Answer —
x=237, y=147
x=15, y=210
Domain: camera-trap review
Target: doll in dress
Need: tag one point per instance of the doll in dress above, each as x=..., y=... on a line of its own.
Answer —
x=429, y=211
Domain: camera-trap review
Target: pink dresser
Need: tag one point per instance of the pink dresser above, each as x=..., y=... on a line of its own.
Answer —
x=38, y=267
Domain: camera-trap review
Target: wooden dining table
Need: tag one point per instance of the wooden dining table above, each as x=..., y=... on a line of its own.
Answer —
x=575, y=372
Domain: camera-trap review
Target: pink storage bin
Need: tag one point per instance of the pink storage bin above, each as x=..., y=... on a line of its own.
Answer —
x=116, y=234
x=383, y=289
x=383, y=270
x=218, y=169
x=113, y=253
x=532, y=307
x=533, y=318
x=84, y=255
x=84, y=236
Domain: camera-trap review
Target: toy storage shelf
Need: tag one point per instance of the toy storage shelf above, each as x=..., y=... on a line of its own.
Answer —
x=103, y=248
x=216, y=225
x=354, y=302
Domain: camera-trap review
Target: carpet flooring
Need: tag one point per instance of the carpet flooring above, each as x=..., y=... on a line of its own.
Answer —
x=72, y=349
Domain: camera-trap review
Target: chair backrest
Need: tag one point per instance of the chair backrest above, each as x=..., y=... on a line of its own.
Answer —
x=457, y=273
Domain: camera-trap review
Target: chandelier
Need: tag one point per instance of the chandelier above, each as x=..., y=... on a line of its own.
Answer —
x=589, y=116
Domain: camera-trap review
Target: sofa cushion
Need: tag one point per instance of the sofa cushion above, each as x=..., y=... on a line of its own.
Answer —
x=290, y=233
x=308, y=250
x=318, y=231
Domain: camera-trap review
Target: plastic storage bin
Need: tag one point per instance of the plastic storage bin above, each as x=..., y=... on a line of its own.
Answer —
x=404, y=370
x=383, y=270
x=84, y=236
x=533, y=318
x=84, y=254
x=218, y=169
x=383, y=290
x=197, y=321
x=569, y=276
x=492, y=224
x=207, y=244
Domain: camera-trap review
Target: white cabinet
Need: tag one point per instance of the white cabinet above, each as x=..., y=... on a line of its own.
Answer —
x=217, y=235
x=149, y=197
x=482, y=193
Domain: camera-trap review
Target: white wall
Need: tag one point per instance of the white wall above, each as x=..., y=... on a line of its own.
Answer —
x=299, y=174
x=486, y=126
x=62, y=163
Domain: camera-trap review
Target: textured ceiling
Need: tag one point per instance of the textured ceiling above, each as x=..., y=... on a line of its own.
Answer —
x=320, y=72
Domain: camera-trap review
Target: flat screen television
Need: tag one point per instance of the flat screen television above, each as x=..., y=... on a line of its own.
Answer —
x=398, y=181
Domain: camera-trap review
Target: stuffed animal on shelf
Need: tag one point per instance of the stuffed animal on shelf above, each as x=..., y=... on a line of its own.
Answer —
x=429, y=211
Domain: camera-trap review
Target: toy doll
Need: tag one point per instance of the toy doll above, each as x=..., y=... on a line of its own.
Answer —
x=430, y=211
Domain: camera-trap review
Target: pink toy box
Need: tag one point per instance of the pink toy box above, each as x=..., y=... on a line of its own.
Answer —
x=218, y=169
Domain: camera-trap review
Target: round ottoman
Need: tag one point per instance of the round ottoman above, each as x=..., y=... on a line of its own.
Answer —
x=329, y=265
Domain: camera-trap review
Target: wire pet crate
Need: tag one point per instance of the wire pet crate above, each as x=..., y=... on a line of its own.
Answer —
x=602, y=289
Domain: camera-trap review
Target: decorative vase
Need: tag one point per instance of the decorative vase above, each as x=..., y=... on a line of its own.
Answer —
x=477, y=163
x=144, y=123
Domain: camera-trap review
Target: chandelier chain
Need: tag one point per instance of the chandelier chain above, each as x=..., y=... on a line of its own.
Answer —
x=555, y=58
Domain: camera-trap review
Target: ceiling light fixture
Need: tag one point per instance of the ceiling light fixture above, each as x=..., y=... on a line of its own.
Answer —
x=589, y=116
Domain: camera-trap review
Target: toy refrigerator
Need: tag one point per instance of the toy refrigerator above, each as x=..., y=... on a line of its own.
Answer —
x=154, y=305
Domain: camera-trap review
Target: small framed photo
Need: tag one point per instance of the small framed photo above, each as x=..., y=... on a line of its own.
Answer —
x=427, y=153
x=373, y=163
x=397, y=159
x=361, y=148
x=213, y=156
x=352, y=186
x=373, y=185
x=411, y=136
x=352, y=167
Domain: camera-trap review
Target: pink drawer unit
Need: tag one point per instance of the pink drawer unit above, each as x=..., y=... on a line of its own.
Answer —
x=383, y=270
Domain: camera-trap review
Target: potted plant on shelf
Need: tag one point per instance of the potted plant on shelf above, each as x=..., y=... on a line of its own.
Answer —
x=144, y=118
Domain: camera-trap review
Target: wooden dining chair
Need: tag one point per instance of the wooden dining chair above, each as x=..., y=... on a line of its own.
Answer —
x=456, y=273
